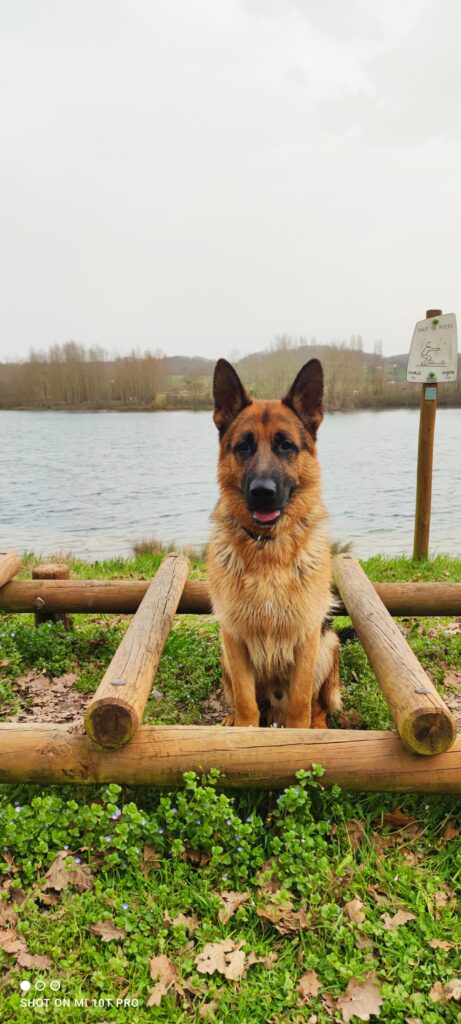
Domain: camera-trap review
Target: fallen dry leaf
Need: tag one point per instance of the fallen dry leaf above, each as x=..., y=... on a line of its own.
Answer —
x=355, y=912
x=232, y=901
x=18, y=897
x=450, y=831
x=379, y=895
x=440, y=899
x=8, y=916
x=198, y=858
x=107, y=931
x=453, y=627
x=268, y=960
x=8, y=857
x=452, y=989
x=11, y=942
x=350, y=719
x=40, y=963
x=441, y=944
x=59, y=876
x=161, y=967
x=411, y=858
x=208, y=1009
x=280, y=913
x=395, y=818
x=361, y=999
x=226, y=957
x=356, y=833
x=267, y=879
x=189, y=921
x=150, y=859
x=308, y=985
x=437, y=993
x=49, y=899
x=401, y=917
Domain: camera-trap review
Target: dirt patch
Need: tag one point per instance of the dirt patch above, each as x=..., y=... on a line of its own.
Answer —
x=214, y=709
x=452, y=693
x=50, y=700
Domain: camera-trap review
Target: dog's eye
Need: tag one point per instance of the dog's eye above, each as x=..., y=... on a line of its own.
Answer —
x=244, y=447
x=286, y=446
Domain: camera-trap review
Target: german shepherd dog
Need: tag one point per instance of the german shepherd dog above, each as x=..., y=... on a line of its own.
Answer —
x=268, y=559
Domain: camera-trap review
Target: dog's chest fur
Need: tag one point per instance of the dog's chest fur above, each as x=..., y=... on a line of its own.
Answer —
x=269, y=596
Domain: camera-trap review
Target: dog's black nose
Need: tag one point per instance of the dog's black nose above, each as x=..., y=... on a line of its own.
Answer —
x=262, y=489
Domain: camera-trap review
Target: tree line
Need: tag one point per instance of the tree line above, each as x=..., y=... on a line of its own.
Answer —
x=70, y=376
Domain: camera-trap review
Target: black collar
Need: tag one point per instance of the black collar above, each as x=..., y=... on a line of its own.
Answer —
x=254, y=536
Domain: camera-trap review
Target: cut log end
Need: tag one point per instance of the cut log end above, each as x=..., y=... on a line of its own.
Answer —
x=111, y=724
x=428, y=731
x=51, y=571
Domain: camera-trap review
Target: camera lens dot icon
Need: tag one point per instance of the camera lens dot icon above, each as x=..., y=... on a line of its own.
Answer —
x=55, y=986
x=24, y=985
x=40, y=985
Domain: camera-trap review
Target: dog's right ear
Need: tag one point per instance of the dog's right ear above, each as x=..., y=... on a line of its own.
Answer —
x=229, y=395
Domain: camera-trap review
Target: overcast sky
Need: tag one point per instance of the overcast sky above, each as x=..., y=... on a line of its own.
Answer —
x=203, y=175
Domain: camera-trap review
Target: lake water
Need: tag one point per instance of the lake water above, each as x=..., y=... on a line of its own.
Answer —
x=93, y=483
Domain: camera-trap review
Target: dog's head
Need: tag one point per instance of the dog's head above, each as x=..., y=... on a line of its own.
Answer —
x=268, y=470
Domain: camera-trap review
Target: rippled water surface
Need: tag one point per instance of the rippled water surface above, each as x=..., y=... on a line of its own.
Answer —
x=93, y=483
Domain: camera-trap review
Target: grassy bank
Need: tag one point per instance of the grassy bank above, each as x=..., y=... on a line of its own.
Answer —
x=301, y=906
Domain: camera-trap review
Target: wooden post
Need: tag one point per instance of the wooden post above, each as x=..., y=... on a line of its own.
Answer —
x=428, y=409
x=246, y=758
x=10, y=564
x=118, y=704
x=52, y=571
x=123, y=597
x=424, y=723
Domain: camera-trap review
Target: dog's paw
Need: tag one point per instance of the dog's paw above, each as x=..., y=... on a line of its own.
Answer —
x=276, y=718
x=320, y=721
x=229, y=719
x=245, y=723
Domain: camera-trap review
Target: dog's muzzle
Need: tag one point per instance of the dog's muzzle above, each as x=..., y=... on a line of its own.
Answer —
x=264, y=499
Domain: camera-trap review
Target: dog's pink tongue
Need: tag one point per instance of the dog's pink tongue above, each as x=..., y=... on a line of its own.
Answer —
x=266, y=517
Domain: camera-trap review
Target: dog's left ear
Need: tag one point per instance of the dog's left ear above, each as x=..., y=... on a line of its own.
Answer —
x=229, y=395
x=305, y=395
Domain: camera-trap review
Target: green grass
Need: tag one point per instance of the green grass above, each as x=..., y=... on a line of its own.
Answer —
x=320, y=849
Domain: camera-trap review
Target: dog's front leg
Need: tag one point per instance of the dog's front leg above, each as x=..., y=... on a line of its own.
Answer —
x=299, y=710
x=242, y=677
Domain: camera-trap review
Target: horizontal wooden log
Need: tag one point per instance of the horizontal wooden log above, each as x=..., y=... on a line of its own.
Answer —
x=104, y=597
x=424, y=723
x=123, y=597
x=10, y=564
x=402, y=599
x=118, y=705
x=247, y=758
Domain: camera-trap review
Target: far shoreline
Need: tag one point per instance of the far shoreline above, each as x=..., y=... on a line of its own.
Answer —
x=387, y=407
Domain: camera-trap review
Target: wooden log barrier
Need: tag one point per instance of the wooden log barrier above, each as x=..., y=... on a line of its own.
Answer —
x=247, y=758
x=123, y=597
x=10, y=564
x=51, y=571
x=424, y=723
x=118, y=704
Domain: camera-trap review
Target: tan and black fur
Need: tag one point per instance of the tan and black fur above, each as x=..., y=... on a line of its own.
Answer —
x=270, y=582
